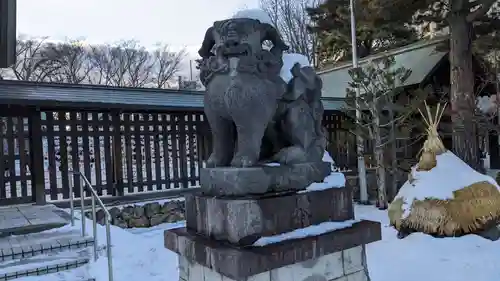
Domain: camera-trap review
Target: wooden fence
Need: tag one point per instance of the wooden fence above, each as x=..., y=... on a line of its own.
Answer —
x=121, y=153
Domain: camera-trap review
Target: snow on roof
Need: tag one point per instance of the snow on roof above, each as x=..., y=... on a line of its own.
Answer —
x=255, y=14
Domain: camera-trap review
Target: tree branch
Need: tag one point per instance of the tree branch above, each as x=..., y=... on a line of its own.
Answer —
x=481, y=11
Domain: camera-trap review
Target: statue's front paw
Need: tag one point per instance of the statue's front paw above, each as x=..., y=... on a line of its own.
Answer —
x=243, y=162
x=214, y=161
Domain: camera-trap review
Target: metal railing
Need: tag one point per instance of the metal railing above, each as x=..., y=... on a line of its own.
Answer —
x=94, y=197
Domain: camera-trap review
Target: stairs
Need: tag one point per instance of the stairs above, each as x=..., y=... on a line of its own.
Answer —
x=43, y=253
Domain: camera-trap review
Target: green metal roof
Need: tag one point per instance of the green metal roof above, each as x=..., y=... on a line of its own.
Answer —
x=420, y=58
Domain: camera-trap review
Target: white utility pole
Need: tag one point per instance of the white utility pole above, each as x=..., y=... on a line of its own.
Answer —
x=363, y=191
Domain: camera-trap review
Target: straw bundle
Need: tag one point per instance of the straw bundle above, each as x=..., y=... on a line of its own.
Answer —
x=471, y=209
x=433, y=145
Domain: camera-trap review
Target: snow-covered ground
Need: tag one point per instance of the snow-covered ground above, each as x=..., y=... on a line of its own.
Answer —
x=139, y=254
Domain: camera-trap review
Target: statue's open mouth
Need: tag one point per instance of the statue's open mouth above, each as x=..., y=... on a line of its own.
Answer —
x=238, y=50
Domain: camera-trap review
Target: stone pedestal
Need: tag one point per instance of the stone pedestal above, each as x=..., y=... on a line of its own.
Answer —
x=243, y=221
x=231, y=181
x=223, y=238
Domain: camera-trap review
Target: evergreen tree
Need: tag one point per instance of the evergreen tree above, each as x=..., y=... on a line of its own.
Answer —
x=467, y=20
x=375, y=30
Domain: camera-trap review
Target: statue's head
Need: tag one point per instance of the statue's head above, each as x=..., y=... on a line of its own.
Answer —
x=237, y=37
x=241, y=35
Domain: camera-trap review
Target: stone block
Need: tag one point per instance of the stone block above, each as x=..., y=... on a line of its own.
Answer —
x=325, y=268
x=353, y=259
x=231, y=181
x=358, y=276
x=240, y=263
x=243, y=221
x=328, y=267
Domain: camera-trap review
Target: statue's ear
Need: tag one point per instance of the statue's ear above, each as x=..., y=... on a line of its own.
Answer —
x=272, y=35
x=208, y=42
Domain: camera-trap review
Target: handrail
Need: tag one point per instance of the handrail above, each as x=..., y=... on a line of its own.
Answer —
x=107, y=215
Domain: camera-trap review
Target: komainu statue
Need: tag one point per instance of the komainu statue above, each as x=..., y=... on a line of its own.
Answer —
x=262, y=105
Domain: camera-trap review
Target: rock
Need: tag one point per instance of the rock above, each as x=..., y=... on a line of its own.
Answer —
x=120, y=222
x=169, y=207
x=492, y=233
x=127, y=213
x=138, y=222
x=158, y=219
x=114, y=212
x=233, y=181
x=175, y=217
x=152, y=209
x=139, y=211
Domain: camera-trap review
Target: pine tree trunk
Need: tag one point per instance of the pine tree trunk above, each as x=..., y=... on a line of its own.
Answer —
x=463, y=101
x=379, y=158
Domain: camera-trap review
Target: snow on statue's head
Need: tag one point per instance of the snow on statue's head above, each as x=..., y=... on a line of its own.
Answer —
x=255, y=14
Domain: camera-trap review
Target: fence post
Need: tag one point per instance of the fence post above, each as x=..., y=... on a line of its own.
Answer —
x=36, y=156
x=117, y=157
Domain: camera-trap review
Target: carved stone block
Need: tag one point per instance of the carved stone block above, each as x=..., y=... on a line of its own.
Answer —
x=231, y=181
x=243, y=221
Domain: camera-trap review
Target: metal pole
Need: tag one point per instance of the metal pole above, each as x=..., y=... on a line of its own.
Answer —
x=82, y=205
x=108, y=249
x=363, y=192
x=71, y=198
x=94, y=225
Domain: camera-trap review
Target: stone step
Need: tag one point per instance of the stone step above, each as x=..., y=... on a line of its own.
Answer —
x=29, y=245
x=43, y=264
x=27, y=219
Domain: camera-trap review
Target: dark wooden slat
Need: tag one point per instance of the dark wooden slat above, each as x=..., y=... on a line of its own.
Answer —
x=183, y=150
x=51, y=153
x=106, y=128
x=86, y=148
x=63, y=154
x=166, y=150
x=192, y=147
x=97, y=153
x=11, y=157
x=116, y=119
x=138, y=153
x=23, y=157
x=156, y=141
x=75, y=157
x=127, y=121
x=175, y=148
x=3, y=191
x=147, y=152
x=37, y=168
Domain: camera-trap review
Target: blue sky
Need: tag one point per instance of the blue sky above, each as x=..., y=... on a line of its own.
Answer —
x=176, y=22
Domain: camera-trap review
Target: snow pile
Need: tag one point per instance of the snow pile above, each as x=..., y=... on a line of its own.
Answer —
x=254, y=14
x=487, y=104
x=423, y=257
x=300, y=233
x=289, y=60
x=449, y=175
x=142, y=256
x=334, y=180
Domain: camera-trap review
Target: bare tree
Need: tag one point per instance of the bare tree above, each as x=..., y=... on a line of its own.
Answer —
x=165, y=66
x=32, y=63
x=72, y=59
x=139, y=64
x=100, y=60
x=292, y=21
